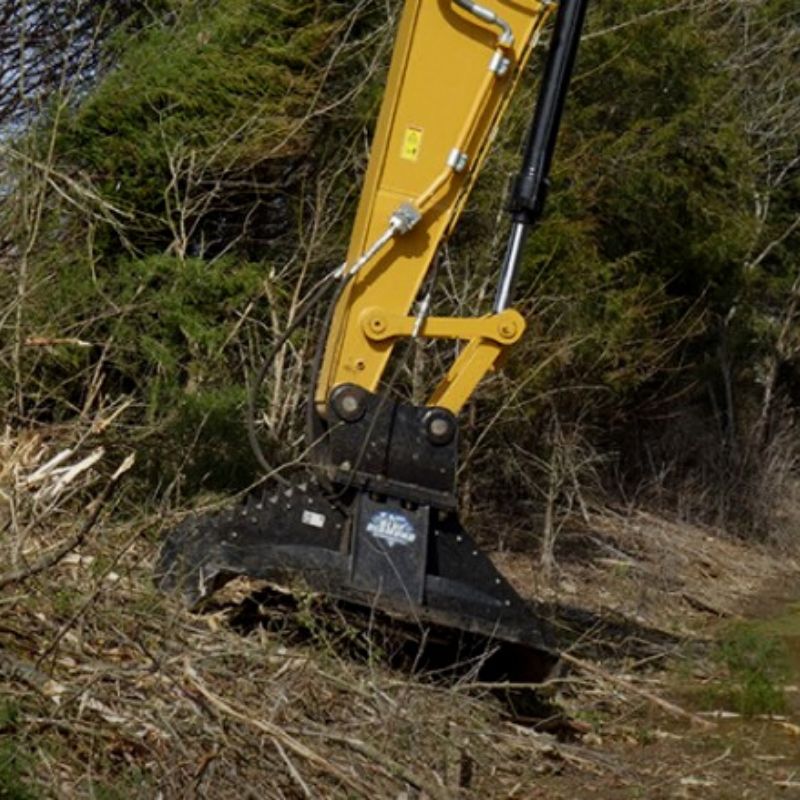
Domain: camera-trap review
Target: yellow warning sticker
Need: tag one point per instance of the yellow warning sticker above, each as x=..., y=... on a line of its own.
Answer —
x=412, y=143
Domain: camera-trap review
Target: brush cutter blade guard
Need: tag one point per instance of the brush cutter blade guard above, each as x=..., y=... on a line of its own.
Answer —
x=408, y=561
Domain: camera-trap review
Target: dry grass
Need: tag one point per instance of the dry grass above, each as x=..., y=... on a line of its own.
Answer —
x=662, y=573
x=112, y=691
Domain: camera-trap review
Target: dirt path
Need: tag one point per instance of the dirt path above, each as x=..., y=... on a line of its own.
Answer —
x=741, y=682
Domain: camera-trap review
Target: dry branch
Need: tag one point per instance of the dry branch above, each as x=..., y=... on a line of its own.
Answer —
x=391, y=768
x=275, y=732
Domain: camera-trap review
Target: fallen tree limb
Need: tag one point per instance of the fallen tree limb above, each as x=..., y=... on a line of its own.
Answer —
x=275, y=732
x=391, y=768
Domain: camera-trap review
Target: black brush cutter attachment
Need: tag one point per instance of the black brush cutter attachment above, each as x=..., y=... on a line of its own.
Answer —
x=368, y=537
x=410, y=561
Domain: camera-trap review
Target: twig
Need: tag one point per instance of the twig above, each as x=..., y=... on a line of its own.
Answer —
x=87, y=603
x=392, y=768
x=293, y=771
x=48, y=341
x=275, y=732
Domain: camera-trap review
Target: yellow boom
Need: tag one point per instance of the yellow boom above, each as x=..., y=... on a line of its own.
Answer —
x=454, y=68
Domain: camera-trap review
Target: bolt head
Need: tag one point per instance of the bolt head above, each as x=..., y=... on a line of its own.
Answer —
x=349, y=402
x=508, y=330
x=440, y=426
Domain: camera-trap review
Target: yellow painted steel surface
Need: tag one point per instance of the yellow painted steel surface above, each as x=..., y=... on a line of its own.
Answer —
x=442, y=100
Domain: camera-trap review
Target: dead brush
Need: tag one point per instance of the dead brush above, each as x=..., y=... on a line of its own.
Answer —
x=110, y=689
x=743, y=480
x=41, y=480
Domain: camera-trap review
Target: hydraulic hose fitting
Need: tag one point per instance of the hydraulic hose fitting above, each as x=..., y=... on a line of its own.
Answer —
x=402, y=221
x=405, y=218
x=506, y=38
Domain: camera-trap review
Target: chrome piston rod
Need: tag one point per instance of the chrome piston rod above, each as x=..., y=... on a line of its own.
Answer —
x=508, y=272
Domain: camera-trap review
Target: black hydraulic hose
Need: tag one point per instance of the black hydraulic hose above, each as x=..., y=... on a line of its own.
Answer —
x=315, y=428
x=315, y=425
x=269, y=360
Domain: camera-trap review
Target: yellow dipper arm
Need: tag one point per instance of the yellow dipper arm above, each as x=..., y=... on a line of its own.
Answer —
x=454, y=67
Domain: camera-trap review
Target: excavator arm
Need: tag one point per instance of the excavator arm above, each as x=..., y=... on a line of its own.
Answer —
x=375, y=520
x=454, y=69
